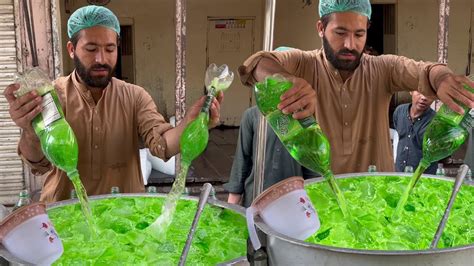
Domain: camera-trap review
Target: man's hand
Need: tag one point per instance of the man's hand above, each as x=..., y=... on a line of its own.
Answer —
x=23, y=109
x=299, y=100
x=234, y=198
x=172, y=136
x=450, y=89
x=214, y=110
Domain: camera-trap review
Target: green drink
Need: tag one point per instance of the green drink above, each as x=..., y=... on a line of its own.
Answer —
x=373, y=200
x=444, y=135
x=57, y=138
x=195, y=136
x=193, y=142
x=123, y=239
x=303, y=139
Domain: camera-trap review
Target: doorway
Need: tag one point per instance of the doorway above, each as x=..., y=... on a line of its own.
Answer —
x=381, y=38
x=381, y=34
x=125, y=66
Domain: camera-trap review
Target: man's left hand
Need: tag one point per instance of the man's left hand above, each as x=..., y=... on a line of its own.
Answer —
x=451, y=89
x=215, y=108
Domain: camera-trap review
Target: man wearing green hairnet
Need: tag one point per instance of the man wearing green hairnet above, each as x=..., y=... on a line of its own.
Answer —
x=108, y=115
x=349, y=92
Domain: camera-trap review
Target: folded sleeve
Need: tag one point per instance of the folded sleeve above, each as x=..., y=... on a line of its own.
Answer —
x=151, y=124
x=290, y=60
x=408, y=75
x=37, y=168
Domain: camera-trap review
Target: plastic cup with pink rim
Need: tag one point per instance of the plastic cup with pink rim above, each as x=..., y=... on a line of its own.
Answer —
x=286, y=208
x=29, y=235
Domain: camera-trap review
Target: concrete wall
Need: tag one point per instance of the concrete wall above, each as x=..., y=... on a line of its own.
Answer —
x=154, y=33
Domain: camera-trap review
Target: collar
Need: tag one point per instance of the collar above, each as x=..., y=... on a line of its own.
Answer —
x=334, y=71
x=84, y=90
x=420, y=117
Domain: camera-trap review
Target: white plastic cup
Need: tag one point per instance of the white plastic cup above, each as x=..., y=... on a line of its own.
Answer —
x=29, y=235
x=286, y=208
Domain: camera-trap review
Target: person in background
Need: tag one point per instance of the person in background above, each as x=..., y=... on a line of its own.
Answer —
x=410, y=121
x=370, y=50
x=279, y=164
x=108, y=115
x=349, y=91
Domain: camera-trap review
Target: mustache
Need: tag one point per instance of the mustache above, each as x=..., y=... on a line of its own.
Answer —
x=347, y=51
x=101, y=66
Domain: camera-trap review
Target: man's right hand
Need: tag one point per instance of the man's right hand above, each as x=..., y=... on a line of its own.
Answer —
x=23, y=109
x=299, y=100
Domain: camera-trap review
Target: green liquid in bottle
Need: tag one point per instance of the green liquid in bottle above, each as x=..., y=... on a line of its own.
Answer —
x=193, y=142
x=59, y=144
x=303, y=139
x=195, y=136
x=444, y=135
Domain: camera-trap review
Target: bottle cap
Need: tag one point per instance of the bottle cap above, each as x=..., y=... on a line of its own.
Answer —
x=24, y=193
x=372, y=168
x=151, y=189
x=408, y=169
x=115, y=190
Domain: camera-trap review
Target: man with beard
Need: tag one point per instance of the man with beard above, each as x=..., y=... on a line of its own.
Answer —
x=108, y=115
x=410, y=120
x=348, y=91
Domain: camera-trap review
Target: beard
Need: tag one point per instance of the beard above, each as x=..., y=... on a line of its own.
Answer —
x=341, y=64
x=91, y=81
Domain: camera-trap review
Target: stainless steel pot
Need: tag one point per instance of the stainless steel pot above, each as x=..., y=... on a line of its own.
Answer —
x=283, y=250
x=236, y=261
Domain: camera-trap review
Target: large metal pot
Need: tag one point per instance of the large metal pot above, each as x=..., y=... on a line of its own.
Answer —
x=283, y=250
x=12, y=260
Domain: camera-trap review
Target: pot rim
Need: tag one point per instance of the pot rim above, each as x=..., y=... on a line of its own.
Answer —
x=268, y=231
x=214, y=202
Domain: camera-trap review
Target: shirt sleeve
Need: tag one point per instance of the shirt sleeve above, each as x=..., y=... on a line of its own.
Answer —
x=396, y=113
x=242, y=164
x=408, y=75
x=290, y=60
x=37, y=168
x=151, y=124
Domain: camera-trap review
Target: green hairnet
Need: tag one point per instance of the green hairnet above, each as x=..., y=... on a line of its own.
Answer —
x=283, y=48
x=330, y=6
x=90, y=16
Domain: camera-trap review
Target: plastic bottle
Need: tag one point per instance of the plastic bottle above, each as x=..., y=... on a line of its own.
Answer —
x=151, y=189
x=469, y=175
x=23, y=200
x=408, y=169
x=440, y=171
x=114, y=190
x=72, y=194
x=57, y=138
x=303, y=139
x=372, y=169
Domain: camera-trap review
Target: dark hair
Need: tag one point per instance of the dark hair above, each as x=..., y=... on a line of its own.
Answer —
x=75, y=39
x=324, y=20
x=327, y=18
